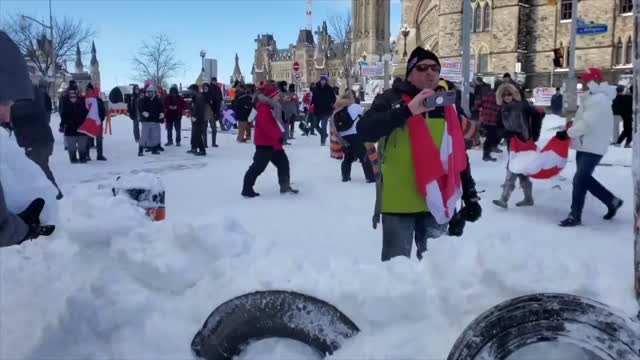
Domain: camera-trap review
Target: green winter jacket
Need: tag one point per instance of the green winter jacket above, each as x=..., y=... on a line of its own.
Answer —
x=399, y=191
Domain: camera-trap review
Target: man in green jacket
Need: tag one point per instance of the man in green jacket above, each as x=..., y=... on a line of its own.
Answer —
x=405, y=214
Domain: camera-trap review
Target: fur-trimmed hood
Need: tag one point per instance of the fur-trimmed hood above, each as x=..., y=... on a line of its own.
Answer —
x=507, y=87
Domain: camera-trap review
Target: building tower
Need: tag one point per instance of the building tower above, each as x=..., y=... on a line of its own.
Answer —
x=237, y=74
x=79, y=66
x=371, y=27
x=95, y=67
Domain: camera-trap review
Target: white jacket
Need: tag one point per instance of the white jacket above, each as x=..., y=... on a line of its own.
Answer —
x=591, y=130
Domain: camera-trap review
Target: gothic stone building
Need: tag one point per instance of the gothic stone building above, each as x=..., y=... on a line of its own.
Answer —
x=315, y=59
x=520, y=36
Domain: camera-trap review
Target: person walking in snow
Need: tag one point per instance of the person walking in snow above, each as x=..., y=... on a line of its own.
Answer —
x=589, y=136
x=557, y=103
x=174, y=106
x=269, y=143
x=31, y=127
x=242, y=105
x=199, y=110
x=134, y=111
x=322, y=99
x=74, y=113
x=410, y=136
x=516, y=118
x=345, y=119
x=486, y=107
x=152, y=113
x=291, y=110
x=623, y=106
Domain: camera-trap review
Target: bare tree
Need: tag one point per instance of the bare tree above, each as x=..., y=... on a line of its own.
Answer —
x=33, y=40
x=341, y=32
x=156, y=60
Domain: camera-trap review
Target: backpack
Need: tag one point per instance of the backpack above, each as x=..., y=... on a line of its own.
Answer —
x=344, y=119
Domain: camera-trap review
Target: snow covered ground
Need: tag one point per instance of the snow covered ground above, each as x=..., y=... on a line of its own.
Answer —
x=111, y=284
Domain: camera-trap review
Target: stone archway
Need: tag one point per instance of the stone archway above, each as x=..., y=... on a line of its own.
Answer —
x=424, y=18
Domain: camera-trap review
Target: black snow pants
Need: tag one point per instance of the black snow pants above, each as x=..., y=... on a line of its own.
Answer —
x=198, y=135
x=356, y=151
x=261, y=159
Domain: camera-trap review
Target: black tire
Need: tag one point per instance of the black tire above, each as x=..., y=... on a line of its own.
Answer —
x=530, y=319
x=272, y=314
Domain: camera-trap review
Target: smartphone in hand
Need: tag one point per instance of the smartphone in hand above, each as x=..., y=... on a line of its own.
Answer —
x=440, y=99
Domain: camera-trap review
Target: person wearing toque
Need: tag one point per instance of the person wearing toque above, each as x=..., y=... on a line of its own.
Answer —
x=419, y=192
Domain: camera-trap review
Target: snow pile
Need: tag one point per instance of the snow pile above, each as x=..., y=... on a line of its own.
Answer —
x=113, y=284
x=23, y=181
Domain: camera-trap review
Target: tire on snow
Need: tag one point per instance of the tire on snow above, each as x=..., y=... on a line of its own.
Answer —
x=272, y=314
x=537, y=318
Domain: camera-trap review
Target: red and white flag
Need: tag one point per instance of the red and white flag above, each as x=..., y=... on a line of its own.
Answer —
x=526, y=159
x=91, y=125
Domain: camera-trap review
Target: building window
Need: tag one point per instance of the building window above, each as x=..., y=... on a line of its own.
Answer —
x=566, y=9
x=486, y=17
x=629, y=51
x=626, y=6
x=477, y=19
x=617, y=56
x=483, y=63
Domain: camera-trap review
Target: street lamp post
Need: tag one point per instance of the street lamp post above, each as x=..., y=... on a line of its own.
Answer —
x=203, y=53
x=53, y=51
x=405, y=33
x=386, y=57
x=363, y=61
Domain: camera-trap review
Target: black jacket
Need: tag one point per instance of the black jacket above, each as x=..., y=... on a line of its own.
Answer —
x=30, y=121
x=199, y=105
x=132, y=107
x=389, y=112
x=556, y=103
x=215, y=98
x=623, y=106
x=242, y=106
x=72, y=116
x=154, y=107
x=323, y=99
x=519, y=119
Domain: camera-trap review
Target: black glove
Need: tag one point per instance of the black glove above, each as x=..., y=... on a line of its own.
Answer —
x=562, y=135
x=456, y=224
x=31, y=217
x=472, y=211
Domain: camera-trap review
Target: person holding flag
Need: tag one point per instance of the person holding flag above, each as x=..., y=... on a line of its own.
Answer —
x=96, y=116
x=152, y=112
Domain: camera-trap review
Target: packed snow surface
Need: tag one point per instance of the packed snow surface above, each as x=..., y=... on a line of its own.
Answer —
x=111, y=284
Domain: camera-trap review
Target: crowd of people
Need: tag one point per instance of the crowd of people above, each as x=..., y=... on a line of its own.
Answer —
x=420, y=165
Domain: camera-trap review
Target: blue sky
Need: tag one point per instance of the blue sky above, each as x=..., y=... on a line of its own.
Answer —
x=222, y=27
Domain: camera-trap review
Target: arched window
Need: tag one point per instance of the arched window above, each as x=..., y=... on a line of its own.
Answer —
x=617, y=57
x=629, y=51
x=477, y=19
x=486, y=17
x=483, y=60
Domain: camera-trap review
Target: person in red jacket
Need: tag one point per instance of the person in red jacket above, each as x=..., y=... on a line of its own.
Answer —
x=268, y=140
x=174, y=106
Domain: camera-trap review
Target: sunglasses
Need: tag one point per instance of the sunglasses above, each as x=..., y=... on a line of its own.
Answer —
x=424, y=67
x=507, y=95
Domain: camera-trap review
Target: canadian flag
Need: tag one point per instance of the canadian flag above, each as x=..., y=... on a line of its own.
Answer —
x=524, y=158
x=91, y=125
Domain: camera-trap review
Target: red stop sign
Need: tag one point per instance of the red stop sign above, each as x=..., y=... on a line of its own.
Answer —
x=296, y=66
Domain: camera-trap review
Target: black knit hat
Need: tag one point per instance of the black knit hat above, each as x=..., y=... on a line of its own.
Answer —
x=420, y=54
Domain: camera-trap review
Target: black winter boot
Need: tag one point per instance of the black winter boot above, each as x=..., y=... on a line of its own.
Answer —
x=613, y=209
x=570, y=221
x=287, y=189
x=73, y=157
x=249, y=193
x=140, y=151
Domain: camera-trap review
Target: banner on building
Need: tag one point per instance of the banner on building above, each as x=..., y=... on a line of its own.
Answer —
x=542, y=96
x=452, y=69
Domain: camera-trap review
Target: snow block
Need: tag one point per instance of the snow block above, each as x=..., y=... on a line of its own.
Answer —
x=272, y=314
x=537, y=318
x=147, y=190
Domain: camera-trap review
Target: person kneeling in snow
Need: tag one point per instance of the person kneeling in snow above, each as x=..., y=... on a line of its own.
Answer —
x=419, y=192
x=517, y=118
x=268, y=140
x=16, y=228
x=590, y=135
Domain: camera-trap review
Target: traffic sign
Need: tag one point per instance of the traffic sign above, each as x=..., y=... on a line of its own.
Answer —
x=296, y=66
x=590, y=29
x=297, y=76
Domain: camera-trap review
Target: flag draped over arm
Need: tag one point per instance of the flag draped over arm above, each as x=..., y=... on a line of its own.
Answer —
x=91, y=125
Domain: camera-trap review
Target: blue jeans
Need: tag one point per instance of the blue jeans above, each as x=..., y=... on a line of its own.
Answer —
x=584, y=181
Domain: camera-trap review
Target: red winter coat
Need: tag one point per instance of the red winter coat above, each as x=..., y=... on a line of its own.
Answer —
x=173, y=107
x=267, y=130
